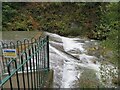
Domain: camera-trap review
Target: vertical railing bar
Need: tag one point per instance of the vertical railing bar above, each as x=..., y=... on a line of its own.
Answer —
x=42, y=77
x=36, y=67
x=39, y=61
x=19, y=47
x=10, y=77
x=23, y=71
x=40, y=44
x=26, y=41
x=38, y=79
x=17, y=76
x=22, y=58
x=40, y=64
x=36, y=59
x=30, y=68
x=48, y=52
x=27, y=71
x=33, y=61
x=5, y=59
x=3, y=62
x=45, y=41
x=12, y=46
x=1, y=71
x=44, y=54
x=39, y=52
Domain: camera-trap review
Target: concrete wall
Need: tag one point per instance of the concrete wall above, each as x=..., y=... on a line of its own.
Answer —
x=48, y=82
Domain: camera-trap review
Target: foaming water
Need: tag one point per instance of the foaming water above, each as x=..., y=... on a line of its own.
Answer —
x=68, y=71
x=69, y=59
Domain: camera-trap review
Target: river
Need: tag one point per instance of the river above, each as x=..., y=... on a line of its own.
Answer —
x=70, y=59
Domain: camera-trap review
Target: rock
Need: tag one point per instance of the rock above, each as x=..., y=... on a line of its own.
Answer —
x=67, y=61
x=88, y=79
x=108, y=54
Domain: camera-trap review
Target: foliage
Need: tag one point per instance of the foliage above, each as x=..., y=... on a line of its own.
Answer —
x=111, y=43
x=61, y=18
x=14, y=19
x=96, y=20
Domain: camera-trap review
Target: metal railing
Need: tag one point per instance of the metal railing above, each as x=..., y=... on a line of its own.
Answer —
x=29, y=68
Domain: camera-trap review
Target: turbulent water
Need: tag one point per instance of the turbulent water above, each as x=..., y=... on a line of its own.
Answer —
x=69, y=58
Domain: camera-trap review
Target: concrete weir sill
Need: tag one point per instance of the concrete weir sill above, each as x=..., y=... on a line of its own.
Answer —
x=48, y=81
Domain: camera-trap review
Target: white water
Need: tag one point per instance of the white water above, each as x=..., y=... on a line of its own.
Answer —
x=70, y=44
x=64, y=66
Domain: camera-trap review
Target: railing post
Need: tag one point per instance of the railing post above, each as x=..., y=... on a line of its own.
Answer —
x=11, y=86
x=48, y=52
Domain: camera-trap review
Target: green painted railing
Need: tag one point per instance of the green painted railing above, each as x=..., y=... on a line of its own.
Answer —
x=29, y=68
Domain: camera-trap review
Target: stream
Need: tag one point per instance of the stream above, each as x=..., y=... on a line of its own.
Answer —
x=69, y=59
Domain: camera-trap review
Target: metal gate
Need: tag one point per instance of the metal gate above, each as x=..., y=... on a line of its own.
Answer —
x=29, y=68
